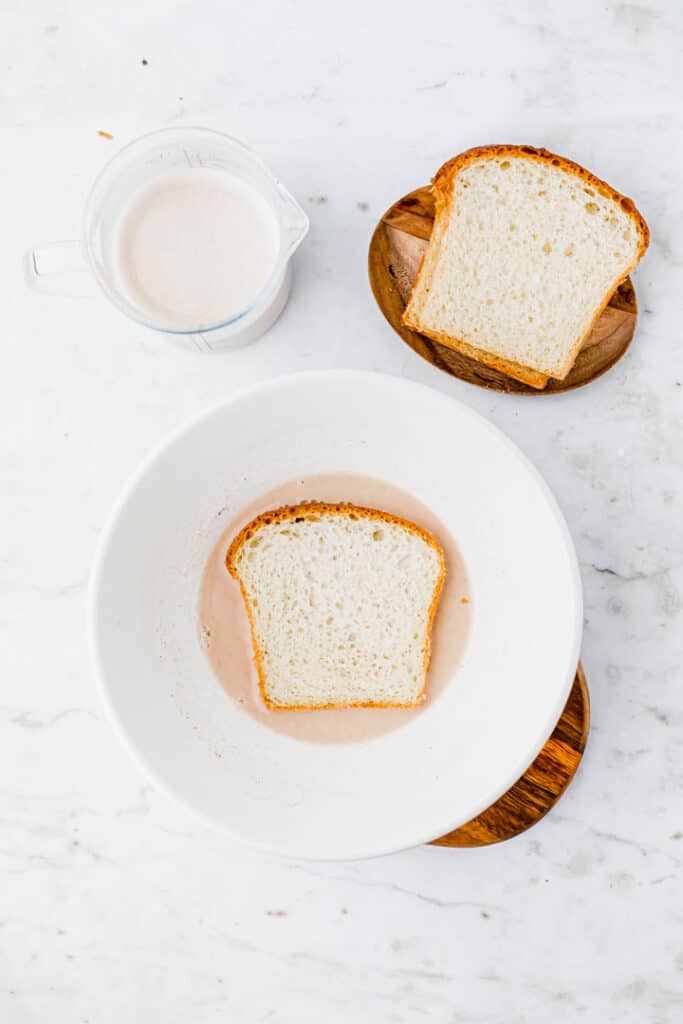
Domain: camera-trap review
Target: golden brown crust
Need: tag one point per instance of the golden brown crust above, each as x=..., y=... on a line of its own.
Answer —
x=303, y=511
x=447, y=171
x=442, y=189
x=534, y=378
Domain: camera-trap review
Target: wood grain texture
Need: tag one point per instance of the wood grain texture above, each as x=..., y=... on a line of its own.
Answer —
x=541, y=785
x=396, y=249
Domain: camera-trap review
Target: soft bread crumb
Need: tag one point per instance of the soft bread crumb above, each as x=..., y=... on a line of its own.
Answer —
x=526, y=251
x=341, y=601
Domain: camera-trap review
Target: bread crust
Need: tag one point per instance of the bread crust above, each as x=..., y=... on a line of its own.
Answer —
x=525, y=374
x=442, y=183
x=303, y=510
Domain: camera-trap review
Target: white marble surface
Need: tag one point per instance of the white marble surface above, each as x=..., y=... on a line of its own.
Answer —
x=113, y=904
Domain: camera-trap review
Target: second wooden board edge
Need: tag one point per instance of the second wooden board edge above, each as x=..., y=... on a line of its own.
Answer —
x=543, y=783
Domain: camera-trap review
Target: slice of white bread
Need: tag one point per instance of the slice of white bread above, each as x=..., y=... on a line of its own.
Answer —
x=341, y=601
x=526, y=252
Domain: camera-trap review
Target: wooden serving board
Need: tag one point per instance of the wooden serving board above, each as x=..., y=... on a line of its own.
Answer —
x=542, y=784
x=396, y=249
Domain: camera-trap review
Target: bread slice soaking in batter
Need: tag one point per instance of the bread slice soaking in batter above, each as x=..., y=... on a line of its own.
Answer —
x=341, y=602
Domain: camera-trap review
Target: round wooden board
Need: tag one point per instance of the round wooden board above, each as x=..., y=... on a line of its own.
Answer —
x=542, y=784
x=396, y=249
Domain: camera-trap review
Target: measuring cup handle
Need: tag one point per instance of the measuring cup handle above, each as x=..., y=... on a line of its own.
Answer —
x=297, y=223
x=59, y=268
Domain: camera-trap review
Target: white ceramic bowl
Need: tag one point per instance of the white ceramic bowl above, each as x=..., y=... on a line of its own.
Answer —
x=394, y=791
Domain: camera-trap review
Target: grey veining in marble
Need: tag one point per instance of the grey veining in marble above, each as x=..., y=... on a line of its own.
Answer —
x=113, y=904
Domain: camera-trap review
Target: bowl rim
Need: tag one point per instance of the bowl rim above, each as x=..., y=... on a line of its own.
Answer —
x=290, y=849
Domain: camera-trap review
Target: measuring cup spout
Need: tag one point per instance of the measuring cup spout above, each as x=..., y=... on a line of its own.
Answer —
x=295, y=221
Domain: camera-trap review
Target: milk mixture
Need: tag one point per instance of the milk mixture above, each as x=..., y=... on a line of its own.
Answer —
x=194, y=247
x=224, y=627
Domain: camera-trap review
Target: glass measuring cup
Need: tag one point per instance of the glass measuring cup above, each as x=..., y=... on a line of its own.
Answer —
x=137, y=164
